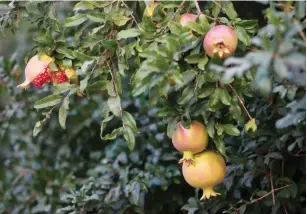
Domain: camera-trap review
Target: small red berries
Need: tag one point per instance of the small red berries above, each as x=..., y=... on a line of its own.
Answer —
x=220, y=40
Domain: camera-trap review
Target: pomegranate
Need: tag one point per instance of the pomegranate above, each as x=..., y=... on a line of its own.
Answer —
x=59, y=77
x=209, y=169
x=187, y=17
x=190, y=141
x=221, y=40
x=37, y=71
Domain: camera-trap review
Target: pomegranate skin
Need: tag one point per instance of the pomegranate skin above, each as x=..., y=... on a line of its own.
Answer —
x=209, y=169
x=190, y=141
x=187, y=17
x=220, y=40
x=35, y=66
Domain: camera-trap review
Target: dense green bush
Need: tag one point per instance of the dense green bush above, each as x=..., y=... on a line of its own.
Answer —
x=103, y=146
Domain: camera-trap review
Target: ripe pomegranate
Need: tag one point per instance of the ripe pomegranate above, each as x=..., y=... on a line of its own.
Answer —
x=209, y=169
x=37, y=71
x=59, y=77
x=187, y=17
x=221, y=40
x=190, y=141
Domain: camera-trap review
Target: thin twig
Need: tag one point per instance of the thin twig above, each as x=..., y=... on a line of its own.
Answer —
x=217, y=4
x=173, y=17
x=272, y=188
x=258, y=199
x=197, y=7
x=131, y=14
x=283, y=204
x=180, y=6
x=299, y=30
x=234, y=91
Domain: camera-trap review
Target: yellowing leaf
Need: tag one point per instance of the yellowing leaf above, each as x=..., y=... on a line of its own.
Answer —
x=151, y=8
x=251, y=125
x=70, y=72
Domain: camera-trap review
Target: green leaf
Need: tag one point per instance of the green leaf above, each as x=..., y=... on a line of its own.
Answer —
x=62, y=116
x=219, y=129
x=195, y=27
x=114, y=134
x=111, y=90
x=171, y=126
x=84, y=5
x=202, y=63
x=164, y=87
x=129, y=121
x=205, y=91
x=229, y=9
x=242, y=35
x=187, y=94
x=220, y=145
x=214, y=98
x=114, y=105
x=251, y=125
x=67, y=52
x=193, y=59
x=67, y=63
x=177, y=77
x=53, y=67
x=225, y=97
x=48, y=101
x=83, y=83
x=105, y=121
x=130, y=33
x=210, y=128
x=75, y=20
x=63, y=87
x=215, y=10
x=129, y=137
x=37, y=128
x=99, y=85
x=204, y=23
x=231, y=130
x=120, y=19
x=96, y=17
x=81, y=56
x=174, y=27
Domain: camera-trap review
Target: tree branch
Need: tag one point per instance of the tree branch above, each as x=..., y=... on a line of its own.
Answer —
x=262, y=197
x=234, y=91
x=272, y=188
x=197, y=7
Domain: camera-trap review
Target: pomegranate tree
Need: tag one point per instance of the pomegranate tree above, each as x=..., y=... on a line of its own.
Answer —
x=220, y=40
x=208, y=170
x=190, y=140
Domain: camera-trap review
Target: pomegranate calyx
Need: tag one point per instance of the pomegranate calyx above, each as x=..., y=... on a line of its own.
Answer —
x=187, y=157
x=208, y=192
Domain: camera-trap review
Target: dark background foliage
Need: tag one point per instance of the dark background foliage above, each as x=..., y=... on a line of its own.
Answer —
x=94, y=165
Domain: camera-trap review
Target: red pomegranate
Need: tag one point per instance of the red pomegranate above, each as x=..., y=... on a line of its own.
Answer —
x=220, y=40
x=187, y=17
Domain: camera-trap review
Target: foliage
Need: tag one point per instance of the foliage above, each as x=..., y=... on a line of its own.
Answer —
x=102, y=145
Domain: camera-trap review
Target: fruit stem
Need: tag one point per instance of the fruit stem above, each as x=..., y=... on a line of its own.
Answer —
x=187, y=157
x=234, y=91
x=208, y=192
